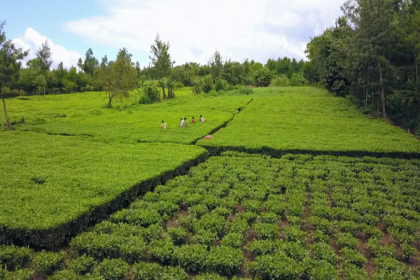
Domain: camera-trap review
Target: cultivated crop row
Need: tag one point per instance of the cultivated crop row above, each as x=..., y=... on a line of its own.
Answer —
x=298, y=217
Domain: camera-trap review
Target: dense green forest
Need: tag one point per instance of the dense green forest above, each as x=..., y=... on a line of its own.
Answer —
x=371, y=55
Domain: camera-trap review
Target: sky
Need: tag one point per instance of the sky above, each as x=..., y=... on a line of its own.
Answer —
x=195, y=29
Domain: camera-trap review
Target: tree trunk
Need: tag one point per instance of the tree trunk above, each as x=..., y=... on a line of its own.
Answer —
x=163, y=93
x=417, y=72
x=5, y=110
x=110, y=99
x=366, y=102
x=383, y=96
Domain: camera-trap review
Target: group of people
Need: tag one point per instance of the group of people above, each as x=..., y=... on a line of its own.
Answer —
x=184, y=122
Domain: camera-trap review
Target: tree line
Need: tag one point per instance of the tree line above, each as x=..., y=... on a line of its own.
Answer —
x=372, y=56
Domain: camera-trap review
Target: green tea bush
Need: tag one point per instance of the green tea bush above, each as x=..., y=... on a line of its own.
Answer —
x=190, y=257
x=98, y=246
x=239, y=226
x=322, y=251
x=353, y=256
x=178, y=235
x=12, y=257
x=112, y=269
x=209, y=276
x=322, y=270
x=133, y=249
x=266, y=231
x=276, y=266
x=152, y=271
x=234, y=240
x=161, y=250
x=294, y=250
x=347, y=240
x=82, y=265
x=352, y=272
x=47, y=262
x=224, y=260
x=63, y=274
x=294, y=234
x=20, y=274
x=268, y=217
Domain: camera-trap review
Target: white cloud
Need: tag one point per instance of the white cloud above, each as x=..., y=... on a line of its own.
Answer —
x=32, y=41
x=239, y=29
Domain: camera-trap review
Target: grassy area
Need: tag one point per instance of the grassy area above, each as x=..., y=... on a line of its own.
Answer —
x=85, y=114
x=47, y=181
x=309, y=119
x=251, y=216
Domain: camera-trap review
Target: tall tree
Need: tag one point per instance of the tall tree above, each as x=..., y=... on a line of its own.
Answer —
x=161, y=60
x=118, y=77
x=90, y=63
x=216, y=66
x=10, y=64
x=44, y=56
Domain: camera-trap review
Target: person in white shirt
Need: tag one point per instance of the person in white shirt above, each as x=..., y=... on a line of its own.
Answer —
x=182, y=122
x=163, y=125
x=201, y=119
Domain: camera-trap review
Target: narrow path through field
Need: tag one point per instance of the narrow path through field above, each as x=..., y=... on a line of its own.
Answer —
x=224, y=124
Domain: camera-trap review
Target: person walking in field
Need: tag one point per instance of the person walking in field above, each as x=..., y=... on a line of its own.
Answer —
x=192, y=120
x=185, y=122
x=201, y=119
x=163, y=125
x=182, y=122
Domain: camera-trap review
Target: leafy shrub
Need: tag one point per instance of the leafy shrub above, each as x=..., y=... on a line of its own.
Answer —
x=347, y=240
x=133, y=249
x=47, y=262
x=390, y=264
x=12, y=257
x=63, y=274
x=112, y=269
x=262, y=77
x=353, y=256
x=250, y=217
x=322, y=270
x=222, y=212
x=377, y=249
x=190, y=257
x=352, y=272
x=210, y=222
x=294, y=250
x=322, y=251
x=99, y=246
x=224, y=260
x=208, y=84
x=187, y=222
x=154, y=232
x=266, y=231
x=294, y=234
x=82, y=265
x=261, y=247
x=280, y=81
x=244, y=91
x=205, y=237
x=233, y=240
x=268, y=217
x=238, y=226
x=198, y=210
x=152, y=271
x=20, y=274
x=252, y=205
x=321, y=224
x=209, y=276
x=298, y=80
x=408, y=251
x=319, y=236
x=178, y=235
x=276, y=266
x=161, y=250
x=150, y=93
x=221, y=85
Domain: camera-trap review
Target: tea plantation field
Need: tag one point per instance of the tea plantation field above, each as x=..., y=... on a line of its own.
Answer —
x=309, y=120
x=52, y=184
x=297, y=217
x=83, y=114
x=111, y=195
